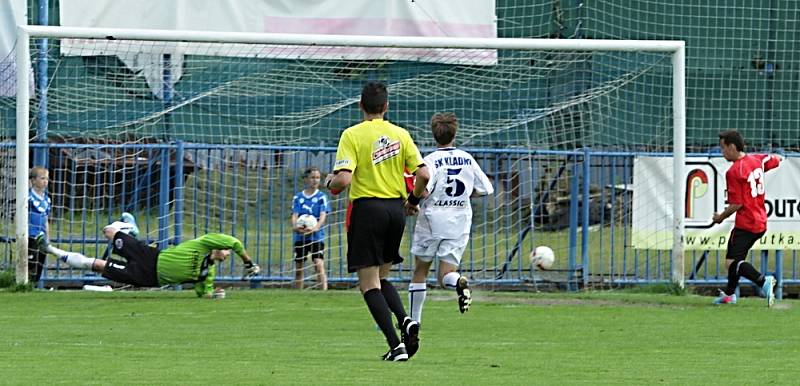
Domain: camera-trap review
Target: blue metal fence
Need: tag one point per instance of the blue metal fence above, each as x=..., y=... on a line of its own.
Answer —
x=577, y=202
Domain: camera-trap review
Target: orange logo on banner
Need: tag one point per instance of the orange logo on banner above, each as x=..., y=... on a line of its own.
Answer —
x=696, y=187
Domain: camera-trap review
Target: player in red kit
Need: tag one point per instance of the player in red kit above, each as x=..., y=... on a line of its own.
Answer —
x=745, y=181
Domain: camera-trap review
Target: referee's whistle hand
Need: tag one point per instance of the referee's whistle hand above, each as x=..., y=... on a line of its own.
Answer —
x=411, y=210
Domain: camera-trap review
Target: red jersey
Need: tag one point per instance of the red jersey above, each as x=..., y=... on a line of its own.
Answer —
x=745, y=181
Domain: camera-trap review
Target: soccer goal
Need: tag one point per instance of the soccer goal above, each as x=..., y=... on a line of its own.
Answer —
x=197, y=132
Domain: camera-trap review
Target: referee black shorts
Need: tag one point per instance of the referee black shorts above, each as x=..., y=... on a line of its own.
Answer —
x=139, y=266
x=740, y=242
x=376, y=228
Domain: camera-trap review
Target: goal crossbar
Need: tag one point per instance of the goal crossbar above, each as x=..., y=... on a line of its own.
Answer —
x=352, y=40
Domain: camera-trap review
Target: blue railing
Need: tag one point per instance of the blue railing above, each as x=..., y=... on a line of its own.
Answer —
x=577, y=202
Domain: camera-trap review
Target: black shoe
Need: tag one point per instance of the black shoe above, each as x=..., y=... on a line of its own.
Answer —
x=409, y=332
x=397, y=354
x=464, y=294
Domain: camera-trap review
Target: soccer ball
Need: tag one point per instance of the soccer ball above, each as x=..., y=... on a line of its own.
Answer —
x=308, y=221
x=543, y=257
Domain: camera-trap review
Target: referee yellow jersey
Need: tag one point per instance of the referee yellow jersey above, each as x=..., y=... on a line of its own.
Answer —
x=376, y=152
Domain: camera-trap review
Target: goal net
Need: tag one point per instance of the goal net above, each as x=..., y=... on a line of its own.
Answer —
x=196, y=132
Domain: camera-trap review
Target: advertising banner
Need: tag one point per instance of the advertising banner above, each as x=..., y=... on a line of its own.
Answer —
x=705, y=195
x=470, y=19
x=12, y=13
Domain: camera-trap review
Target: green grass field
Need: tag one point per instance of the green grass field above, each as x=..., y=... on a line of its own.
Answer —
x=281, y=337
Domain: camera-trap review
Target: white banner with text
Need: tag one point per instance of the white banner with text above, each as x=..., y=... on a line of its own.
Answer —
x=12, y=13
x=469, y=19
x=705, y=195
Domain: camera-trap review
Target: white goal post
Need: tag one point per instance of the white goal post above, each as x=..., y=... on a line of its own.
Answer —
x=675, y=49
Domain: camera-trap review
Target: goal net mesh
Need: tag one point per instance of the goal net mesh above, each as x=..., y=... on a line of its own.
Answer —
x=209, y=137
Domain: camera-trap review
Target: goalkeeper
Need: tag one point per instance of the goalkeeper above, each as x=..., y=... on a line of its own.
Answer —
x=191, y=261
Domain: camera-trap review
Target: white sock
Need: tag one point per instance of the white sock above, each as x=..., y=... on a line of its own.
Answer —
x=416, y=298
x=55, y=251
x=450, y=280
x=76, y=260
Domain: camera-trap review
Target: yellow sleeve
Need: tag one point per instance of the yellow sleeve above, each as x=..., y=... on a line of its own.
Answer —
x=345, y=153
x=413, y=158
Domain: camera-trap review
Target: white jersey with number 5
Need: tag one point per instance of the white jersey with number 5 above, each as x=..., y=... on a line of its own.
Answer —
x=454, y=177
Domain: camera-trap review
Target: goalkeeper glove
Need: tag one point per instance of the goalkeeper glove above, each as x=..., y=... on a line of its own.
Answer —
x=250, y=270
x=218, y=293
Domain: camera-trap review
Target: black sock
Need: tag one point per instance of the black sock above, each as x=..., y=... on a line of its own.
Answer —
x=380, y=312
x=747, y=270
x=393, y=300
x=733, y=279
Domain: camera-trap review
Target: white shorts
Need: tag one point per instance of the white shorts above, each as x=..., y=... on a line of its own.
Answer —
x=426, y=246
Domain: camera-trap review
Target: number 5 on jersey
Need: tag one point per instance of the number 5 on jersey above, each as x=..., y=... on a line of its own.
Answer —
x=455, y=187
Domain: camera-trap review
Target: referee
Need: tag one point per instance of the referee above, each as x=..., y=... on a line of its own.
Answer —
x=371, y=157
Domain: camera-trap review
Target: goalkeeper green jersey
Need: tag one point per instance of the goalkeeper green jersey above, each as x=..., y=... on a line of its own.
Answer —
x=190, y=261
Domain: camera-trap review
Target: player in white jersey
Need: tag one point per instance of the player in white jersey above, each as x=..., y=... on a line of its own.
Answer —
x=445, y=216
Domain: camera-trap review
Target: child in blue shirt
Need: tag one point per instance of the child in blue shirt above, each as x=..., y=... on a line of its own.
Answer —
x=310, y=240
x=39, y=206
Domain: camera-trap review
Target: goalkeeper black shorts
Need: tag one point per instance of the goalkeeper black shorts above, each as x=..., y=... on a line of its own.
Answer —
x=139, y=266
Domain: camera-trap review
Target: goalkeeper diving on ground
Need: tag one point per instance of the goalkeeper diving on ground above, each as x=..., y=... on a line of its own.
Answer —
x=191, y=261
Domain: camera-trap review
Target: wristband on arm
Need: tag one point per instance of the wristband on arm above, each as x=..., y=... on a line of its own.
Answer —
x=413, y=200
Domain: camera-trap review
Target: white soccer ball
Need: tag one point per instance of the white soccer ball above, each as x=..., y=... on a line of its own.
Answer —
x=308, y=221
x=543, y=257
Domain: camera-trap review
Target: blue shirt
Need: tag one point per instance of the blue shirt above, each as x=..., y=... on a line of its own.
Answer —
x=315, y=205
x=38, y=211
